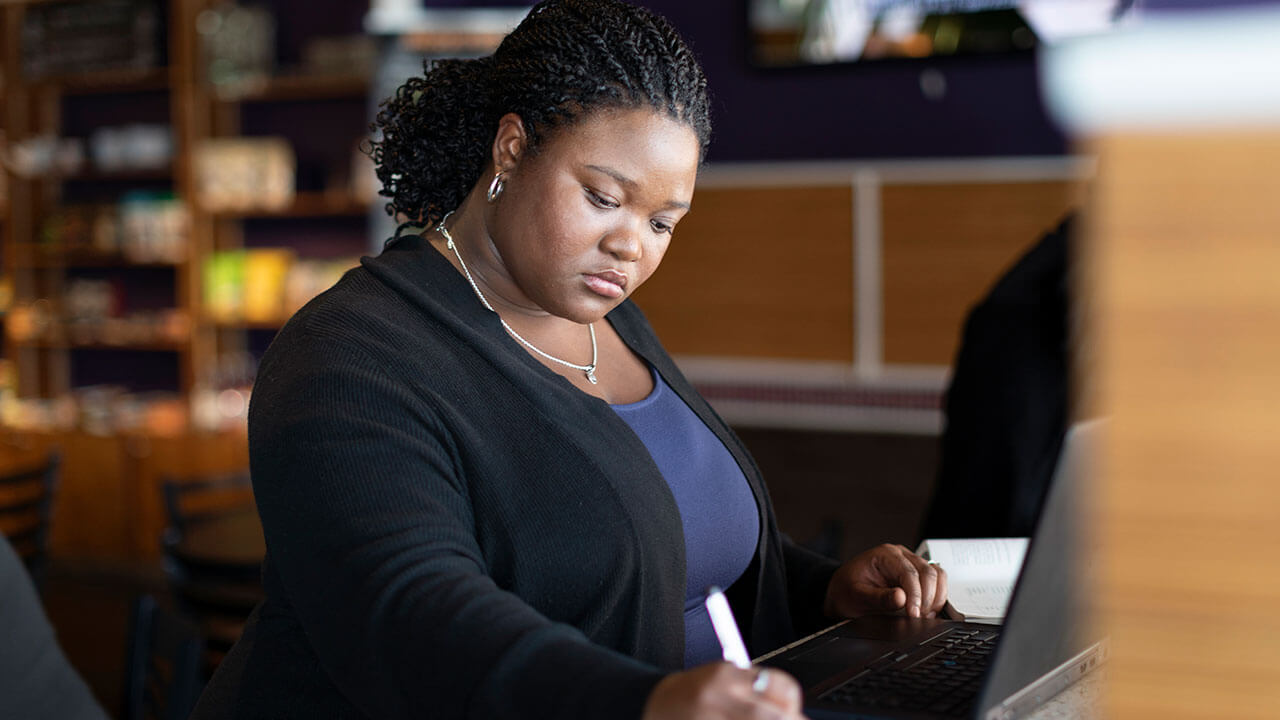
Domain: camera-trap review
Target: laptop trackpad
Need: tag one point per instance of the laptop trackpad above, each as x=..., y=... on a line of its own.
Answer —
x=838, y=653
x=844, y=651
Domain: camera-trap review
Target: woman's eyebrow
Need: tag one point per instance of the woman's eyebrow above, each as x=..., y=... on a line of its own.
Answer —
x=631, y=184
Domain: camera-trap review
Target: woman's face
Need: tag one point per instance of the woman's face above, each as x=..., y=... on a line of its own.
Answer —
x=586, y=220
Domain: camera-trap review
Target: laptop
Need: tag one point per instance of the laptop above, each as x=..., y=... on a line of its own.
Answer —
x=916, y=668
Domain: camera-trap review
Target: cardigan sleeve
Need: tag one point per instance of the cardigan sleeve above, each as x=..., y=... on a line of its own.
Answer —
x=368, y=525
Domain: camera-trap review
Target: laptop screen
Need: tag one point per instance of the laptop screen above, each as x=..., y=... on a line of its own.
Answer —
x=1048, y=619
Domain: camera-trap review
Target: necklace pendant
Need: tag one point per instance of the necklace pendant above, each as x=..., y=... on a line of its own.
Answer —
x=591, y=377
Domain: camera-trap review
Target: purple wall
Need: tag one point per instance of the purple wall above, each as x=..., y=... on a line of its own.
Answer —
x=991, y=107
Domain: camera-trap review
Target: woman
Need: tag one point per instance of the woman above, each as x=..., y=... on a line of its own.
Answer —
x=487, y=491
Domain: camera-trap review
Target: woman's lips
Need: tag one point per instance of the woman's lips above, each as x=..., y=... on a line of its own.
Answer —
x=610, y=283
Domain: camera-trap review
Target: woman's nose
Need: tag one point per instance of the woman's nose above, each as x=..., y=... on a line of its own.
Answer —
x=624, y=243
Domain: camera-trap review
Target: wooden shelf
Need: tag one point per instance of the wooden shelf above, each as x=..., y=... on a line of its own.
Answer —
x=197, y=110
x=141, y=174
x=151, y=346
x=107, y=81
x=40, y=257
x=305, y=205
x=94, y=260
x=293, y=88
x=249, y=324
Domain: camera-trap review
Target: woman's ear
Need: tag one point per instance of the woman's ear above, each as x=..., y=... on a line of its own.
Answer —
x=509, y=142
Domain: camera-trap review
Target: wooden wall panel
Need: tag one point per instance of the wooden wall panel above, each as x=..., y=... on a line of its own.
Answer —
x=90, y=518
x=90, y=507
x=943, y=248
x=759, y=273
x=1186, y=265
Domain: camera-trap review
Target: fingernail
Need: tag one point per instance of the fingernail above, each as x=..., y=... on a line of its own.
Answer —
x=915, y=611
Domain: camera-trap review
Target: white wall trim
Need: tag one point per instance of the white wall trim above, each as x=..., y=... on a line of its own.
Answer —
x=840, y=173
x=809, y=374
x=868, y=274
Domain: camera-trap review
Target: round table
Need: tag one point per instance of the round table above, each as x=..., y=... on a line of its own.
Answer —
x=230, y=541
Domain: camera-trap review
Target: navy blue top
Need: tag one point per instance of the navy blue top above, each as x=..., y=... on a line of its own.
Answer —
x=718, y=512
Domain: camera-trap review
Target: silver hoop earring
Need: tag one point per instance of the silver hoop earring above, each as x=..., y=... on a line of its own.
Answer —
x=496, y=187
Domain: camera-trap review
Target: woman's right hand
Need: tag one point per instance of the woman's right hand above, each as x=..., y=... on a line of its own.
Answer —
x=720, y=691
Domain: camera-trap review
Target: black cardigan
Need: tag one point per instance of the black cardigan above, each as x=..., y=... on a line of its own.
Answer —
x=455, y=531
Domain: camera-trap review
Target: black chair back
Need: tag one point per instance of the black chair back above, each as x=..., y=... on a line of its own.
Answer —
x=26, y=505
x=163, y=673
x=218, y=590
x=192, y=499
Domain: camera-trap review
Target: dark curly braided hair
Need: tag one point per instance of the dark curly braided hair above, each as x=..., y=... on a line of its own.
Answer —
x=566, y=59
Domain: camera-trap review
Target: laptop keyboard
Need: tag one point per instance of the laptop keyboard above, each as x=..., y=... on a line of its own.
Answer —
x=941, y=676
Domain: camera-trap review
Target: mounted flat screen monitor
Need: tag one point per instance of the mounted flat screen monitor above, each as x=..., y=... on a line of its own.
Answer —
x=804, y=32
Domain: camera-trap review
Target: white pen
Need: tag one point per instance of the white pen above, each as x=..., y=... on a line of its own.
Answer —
x=726, y=629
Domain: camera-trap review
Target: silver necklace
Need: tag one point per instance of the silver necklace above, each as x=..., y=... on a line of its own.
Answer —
x=590, y=370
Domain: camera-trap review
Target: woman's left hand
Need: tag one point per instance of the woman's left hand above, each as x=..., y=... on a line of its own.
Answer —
x=886, y=578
